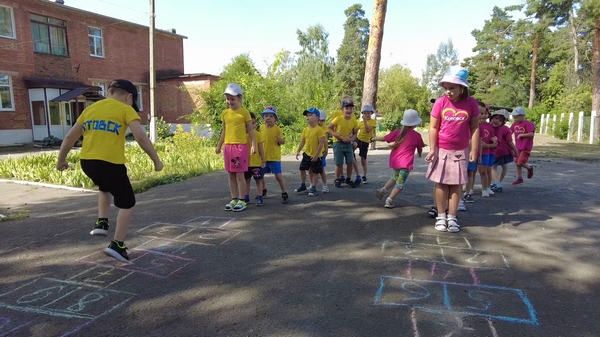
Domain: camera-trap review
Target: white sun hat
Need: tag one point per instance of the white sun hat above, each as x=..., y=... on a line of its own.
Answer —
x=411, y=118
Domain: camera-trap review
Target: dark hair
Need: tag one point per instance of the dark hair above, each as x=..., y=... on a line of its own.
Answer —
x=464, y=93
x=483, y=105
x=252, y=115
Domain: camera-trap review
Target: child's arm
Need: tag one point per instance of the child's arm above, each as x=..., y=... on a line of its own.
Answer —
x=333, y=133
x=319, y=149
x=526, y=135
x=250, y=132
x=300, y=146
x=434, y=125
x=261, y=152
x=475, y=139
x=67, y=144
x=221, y=140
x=368, y=128
x=513, y=148
x=141, y=138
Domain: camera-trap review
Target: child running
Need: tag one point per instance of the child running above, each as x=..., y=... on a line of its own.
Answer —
x=273, y=137
x=313, y=137
x=524, y=132
x=505, y=151
x=255, y=166
x=453, y=120
x=403, y=143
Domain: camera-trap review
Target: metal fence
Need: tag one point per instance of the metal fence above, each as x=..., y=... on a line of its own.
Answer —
x=576, y=127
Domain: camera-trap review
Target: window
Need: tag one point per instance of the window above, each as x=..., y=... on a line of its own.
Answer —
x=49, y=35
x=6, y=94
x=7, y=22
x=101, y=85
x=96, y=45
x=140, y=102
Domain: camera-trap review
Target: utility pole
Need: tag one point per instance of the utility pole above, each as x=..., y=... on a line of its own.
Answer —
x=152, y=76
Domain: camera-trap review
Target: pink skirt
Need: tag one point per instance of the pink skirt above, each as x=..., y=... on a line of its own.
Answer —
x=236, y=157
x=450, y=167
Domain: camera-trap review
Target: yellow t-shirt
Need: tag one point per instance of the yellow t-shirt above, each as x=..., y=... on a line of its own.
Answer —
x=337, y=113
x=344, y=126
x=104, y=127
x=235, y=125
x=325, y=128
x=271, y=146
x=363, y=135
x=254, y=159
x=311, y=138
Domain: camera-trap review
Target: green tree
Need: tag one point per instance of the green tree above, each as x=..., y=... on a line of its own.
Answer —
x=437, y=64
x=351, y=56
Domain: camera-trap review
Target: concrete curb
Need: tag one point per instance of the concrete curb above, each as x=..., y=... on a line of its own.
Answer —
x=22, y=182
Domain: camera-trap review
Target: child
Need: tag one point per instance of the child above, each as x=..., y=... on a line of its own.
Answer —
x=313, y=137
x=343, y=129
x=488, y=142
x=404, y=142
x=505, y=151
x=323, y=125
x=273, y=140
x=255, y=166
x=236, y=123
x=453, y=119
x=103, y=126
x=524, y=131
x=366, y=131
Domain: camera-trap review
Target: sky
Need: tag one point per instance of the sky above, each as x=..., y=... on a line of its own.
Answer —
x=219, y=30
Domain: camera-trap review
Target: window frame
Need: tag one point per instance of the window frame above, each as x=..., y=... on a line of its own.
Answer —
x=140, y=101
x=12, y=23
x=48, y=25
x=102, y=85
x=11, y=91
x=101, y=37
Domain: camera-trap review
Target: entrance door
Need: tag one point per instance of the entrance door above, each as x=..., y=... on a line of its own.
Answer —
x=57, y=127
x=40, y=124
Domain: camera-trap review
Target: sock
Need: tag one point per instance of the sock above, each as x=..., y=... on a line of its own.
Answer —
x=324, y=185
x=451, y=217
x=358, y=177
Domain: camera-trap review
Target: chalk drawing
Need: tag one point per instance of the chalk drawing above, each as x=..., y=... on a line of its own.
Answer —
x=451, y=326
x=457, y=299
x=101, y=276
x=189, y=234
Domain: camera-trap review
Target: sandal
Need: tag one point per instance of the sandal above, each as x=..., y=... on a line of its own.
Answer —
x=453, y=226
x=432, y=212
x=441, y=225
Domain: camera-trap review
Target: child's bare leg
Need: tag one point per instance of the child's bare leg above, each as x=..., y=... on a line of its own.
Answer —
x=123, y=221
x=279, y=178
x=441, y=197
x=104, y=201
x=302, y=176
x=394, y=193
x=470, y=182
x=495, y=175
x=248, y=183
x=324, y=177
x=363, y=162
x=484, y=177
x=519, y=171
x=454, y=193
x=489, y=176
x=241, y=184
x=314, y=178
x=260, y=186
x=503, y=172
x=233, y=187
x=349, y=170
x=390, y=183
x=354, y=168
x=338, y=171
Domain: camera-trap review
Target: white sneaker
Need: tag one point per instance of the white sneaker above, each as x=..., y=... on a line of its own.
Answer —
x=490, y=192
x=485, y=193
x=389, y=203
x=379, y=193
x=325, y=189
x=461, y=206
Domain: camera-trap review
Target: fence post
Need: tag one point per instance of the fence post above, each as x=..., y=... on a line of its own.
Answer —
x=571, y=116
x=562, y=116
x=545, y=130
x=548, y=122
x=542, y=121
x=593, y=127
x=553, y=124
x=580, y=128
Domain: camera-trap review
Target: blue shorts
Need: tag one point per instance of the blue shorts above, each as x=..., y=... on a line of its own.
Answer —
x=272, y=167
x=323, y=161
x=503, y=160
x=488, y=159
x=472, y=167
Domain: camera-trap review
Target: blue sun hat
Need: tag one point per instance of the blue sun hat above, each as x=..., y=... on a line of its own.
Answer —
x=314, y=111
x=269, y=109
x=456, y=75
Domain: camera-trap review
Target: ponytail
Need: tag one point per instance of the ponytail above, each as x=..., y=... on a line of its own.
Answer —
x=400, y=138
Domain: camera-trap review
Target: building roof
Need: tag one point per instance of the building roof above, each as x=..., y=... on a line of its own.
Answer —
x=42, y=82
x=59, y=5
x=87, y=91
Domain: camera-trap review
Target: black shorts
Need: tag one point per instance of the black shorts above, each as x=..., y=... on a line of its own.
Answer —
x=307, y=164
x=255, y=172
x=363, y=148
x=111, y=178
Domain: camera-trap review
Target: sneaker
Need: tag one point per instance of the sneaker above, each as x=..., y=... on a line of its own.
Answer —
x=325, y=189
x=101, y=228
x=265, y=194
x=284, y=198
x=300, y=188
x=490, y=192
x=259, y=201
x=485, y=193
x=247, y=199
x=519, y=181
x=117, y=251
x=230, y=205
x=338, y=183
x=357, y=181
x=312, y=192
x=240, y=206
x=350, y=183
x=379, y=193
x=364, y=180
x=461, y=206
x=530, y=172
x=432, y=212
x=468, y=199
x=389, y=203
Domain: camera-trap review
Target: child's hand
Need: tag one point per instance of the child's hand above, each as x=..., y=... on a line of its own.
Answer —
x=473, y=156
x=158, y=166
x=279, y=139
x=263, y=164
x=61, y=166
x=314, y=158
x=494, y=139
x=218, y=150
x=297, y=155
x=430, y=157
x=252, y=150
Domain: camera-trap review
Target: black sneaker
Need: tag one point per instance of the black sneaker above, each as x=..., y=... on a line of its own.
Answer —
x=357, y=181
x=338, y=183
x=101, y=228
x=364, y=180
x=117, y=251
x=265, y=194
x=350, y=183
x=468, y=199
x=284, y=198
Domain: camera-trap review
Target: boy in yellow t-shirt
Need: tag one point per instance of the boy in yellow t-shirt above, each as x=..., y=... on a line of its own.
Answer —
x=324, y=126
x=366, y=131
x=103, y=125
x=313, y=137
x=255, y=166
x=273, y=137
x=236, y=124
x=344, y=129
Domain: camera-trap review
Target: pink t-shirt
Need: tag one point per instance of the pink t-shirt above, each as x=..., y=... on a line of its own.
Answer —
x=486, y=131
x=523, y=144
x=403, y=156
x=454, y=121
x=504, y=138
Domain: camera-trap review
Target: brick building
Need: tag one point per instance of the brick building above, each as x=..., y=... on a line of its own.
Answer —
x=55, y=60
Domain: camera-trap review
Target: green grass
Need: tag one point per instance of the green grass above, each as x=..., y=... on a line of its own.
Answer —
x=7, y=214
x=184, y=155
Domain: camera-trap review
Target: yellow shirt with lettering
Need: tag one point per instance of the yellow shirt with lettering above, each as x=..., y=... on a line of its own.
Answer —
x=254, y=159
x=344, y=126
x=104, y=127
x=363, y=135
x=271, y=146
x=311, y=138
x=235, y=125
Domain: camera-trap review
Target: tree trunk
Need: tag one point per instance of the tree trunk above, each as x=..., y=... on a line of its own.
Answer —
x=536, y=45
x=573, y=31
x=596, y=75
x=374, y=54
